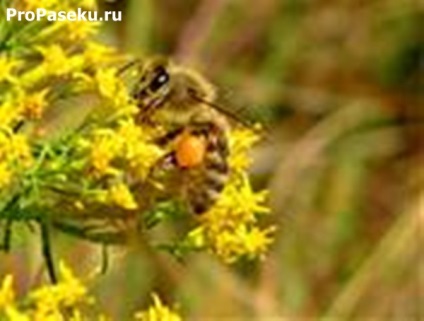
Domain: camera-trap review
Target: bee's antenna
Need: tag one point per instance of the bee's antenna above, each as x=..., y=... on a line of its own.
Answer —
x=219, y=108
x=127, y=66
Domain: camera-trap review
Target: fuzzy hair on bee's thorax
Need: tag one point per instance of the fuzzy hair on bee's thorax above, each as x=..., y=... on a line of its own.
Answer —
x=185, y=81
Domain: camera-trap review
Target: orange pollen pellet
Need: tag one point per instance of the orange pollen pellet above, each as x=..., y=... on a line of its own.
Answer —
x=190, y=150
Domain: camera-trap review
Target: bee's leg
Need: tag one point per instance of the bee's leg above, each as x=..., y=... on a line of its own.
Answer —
x=166, y=162
x=7, y=237
x=168, y=137
x=46, y=250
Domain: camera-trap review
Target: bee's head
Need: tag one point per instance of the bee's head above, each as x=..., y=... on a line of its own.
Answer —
x=154, y=84
x=161, y=82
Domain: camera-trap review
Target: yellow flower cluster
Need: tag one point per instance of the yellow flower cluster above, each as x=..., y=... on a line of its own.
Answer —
x=109, y=86
x=66, y=300
x=72, y=30
x=9, y=115
x=56, y=62
x=116, y=152
x=15, y=156
x=50, y=302
x=98, y=54
x=7, y=296
x=7, y=67
x=120, y=195
x=229, y=229
x=19, y=105
x=30, y=66
x=158, y=312
x=129, y=142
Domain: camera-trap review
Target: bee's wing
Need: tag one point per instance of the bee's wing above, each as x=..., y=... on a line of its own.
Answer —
x=229, y=108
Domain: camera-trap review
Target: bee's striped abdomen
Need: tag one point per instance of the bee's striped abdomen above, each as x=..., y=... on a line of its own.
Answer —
x=209, y=182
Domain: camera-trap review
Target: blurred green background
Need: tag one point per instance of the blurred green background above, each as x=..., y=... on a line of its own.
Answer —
x=337, y=85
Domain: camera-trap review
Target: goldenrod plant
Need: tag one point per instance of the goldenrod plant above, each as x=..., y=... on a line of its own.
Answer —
x=90, y=176
x=69, y=299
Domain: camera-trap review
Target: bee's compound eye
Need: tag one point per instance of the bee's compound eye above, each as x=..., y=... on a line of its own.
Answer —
x=161, y=78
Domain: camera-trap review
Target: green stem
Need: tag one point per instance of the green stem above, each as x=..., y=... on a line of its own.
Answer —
x=46, y=250
x=105, y=259
x=7, y=236
x=4, y=213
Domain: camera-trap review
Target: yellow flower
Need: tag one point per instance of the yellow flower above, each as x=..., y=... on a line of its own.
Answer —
x=50, y=299
x=9, y=114
x=15, y=315
x=256, y=240
x=120, y=195
x=140, y=153
x=66, y=300
x=5, y=176
x=129, y=144
x=4, y=143
x=33, y=105
x=157, y=312
x=242, y=198
x=237, y=204
x=108, y=83
x=96, y=54
x=229, y=229
x=55, y=60
x=7, y=66
x=19, y=105
x=15, y=154
x=241, y=142
x=7, y=301
x=14, y=149
x=111, y=86
x=77, y=30
x=7, y=295
x=242, y=242
x=19, y=150
x=104, y=147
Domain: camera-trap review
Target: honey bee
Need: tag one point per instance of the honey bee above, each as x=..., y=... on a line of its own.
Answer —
x=181, y=101
x=193, y=132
